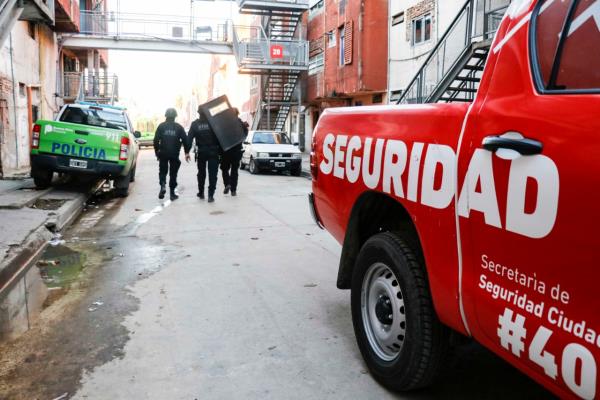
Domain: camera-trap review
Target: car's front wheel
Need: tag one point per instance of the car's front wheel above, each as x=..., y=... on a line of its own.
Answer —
x=296, y=171
x=396, y=327
x=41, y=177
x=252, y=167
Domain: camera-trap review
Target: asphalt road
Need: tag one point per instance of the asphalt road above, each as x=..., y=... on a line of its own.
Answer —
x=230, y=300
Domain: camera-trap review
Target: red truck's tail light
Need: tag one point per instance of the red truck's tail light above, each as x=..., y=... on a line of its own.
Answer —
x=124, y=149
x=35, y=136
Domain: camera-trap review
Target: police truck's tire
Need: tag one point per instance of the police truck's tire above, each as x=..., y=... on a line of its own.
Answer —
x=41, y=177
x=408, y=350
x=252, y=167
x=122, y=184
x=132, y=174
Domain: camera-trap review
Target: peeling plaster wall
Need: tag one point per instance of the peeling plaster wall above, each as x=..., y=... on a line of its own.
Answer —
x=34, y=66
x=14, y=143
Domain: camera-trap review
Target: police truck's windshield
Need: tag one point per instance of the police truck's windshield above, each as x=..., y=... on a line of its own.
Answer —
x=269, y=138
x=95, y=117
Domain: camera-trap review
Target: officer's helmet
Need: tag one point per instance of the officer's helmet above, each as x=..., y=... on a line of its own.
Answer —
x=171, y=113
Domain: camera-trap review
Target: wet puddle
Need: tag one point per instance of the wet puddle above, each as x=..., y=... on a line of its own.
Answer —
x=48, y=204
x=60, y=266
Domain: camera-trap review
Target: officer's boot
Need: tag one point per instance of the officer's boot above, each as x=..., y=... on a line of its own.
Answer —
x=211, y=197
x=173, y=195
x=200, y=194
x=163, y=190
x=226, y=190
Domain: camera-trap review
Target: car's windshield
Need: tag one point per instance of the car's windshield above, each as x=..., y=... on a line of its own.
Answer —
x=270, y=138
x=95, y=117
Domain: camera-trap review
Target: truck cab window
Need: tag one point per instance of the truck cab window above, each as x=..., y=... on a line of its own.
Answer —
x=566, y=40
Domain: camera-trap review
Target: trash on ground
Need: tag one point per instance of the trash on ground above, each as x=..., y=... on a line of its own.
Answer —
x=310, y=285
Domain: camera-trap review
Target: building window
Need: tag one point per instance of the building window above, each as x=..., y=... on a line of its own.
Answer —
x=398, y=18
x=315, y=63
x=377, y=98
x=342, y=36
x=22, y=89
x=421, y=29
x=330, y=39
x=395, y=96
x=316, y=8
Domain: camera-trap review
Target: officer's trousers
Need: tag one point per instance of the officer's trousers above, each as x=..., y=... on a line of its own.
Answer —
x=170, y=165
x=212, y=164
x=230, y=165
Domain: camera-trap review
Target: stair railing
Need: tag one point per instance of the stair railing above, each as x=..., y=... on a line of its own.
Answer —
x=465, y=29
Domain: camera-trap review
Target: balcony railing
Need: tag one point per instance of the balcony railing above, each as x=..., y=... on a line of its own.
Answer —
x=253, y=48
x=291, y=5
x=82, y=86
x=477, y=21
x=155, y=26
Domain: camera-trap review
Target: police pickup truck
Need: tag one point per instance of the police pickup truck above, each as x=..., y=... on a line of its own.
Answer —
x=479, y=218
x=86, y=138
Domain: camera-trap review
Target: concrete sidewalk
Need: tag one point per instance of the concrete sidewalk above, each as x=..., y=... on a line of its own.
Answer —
x=29, y=219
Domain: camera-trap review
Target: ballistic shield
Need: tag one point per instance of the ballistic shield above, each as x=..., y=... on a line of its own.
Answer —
x=224, y=122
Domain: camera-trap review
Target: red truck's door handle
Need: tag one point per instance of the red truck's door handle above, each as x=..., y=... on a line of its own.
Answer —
x=513, y=141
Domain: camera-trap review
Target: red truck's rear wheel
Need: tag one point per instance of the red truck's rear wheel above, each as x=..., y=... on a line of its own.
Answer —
x=397, y=330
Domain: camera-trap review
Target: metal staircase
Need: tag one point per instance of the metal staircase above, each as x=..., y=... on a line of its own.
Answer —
x=273, y=51
x=452, y=71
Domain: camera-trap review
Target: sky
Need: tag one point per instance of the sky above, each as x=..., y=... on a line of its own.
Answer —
x=149, y=82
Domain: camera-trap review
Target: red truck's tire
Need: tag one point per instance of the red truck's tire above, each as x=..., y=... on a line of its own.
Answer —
x=396, y=327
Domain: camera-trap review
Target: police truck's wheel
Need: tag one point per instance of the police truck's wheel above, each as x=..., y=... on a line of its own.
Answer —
x=398, y=333
x=132, y=174
x=41, y=177
x=122, y=184
x=252, y=167
x=242, y=165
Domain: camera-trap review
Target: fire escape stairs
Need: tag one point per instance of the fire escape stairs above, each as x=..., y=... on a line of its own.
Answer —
x=279, y=22
x=451, y=76
x=462, y=81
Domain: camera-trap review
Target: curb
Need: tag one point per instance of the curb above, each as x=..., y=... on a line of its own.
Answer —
x=15, y=265
x=67, y=213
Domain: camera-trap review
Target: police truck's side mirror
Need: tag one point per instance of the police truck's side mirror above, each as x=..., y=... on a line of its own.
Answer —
x=296, y=144
x=137, y=134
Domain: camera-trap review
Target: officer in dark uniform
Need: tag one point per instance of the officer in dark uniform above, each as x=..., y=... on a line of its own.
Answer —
x=168, y=139
x=230, y=162
x=208, y=154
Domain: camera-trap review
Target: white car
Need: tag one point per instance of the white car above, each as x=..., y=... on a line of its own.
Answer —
x=271, y=151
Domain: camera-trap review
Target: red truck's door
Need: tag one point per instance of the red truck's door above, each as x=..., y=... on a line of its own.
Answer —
x=529, y=210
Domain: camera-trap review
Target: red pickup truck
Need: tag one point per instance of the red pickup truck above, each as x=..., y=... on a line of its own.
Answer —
x=478, y=218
